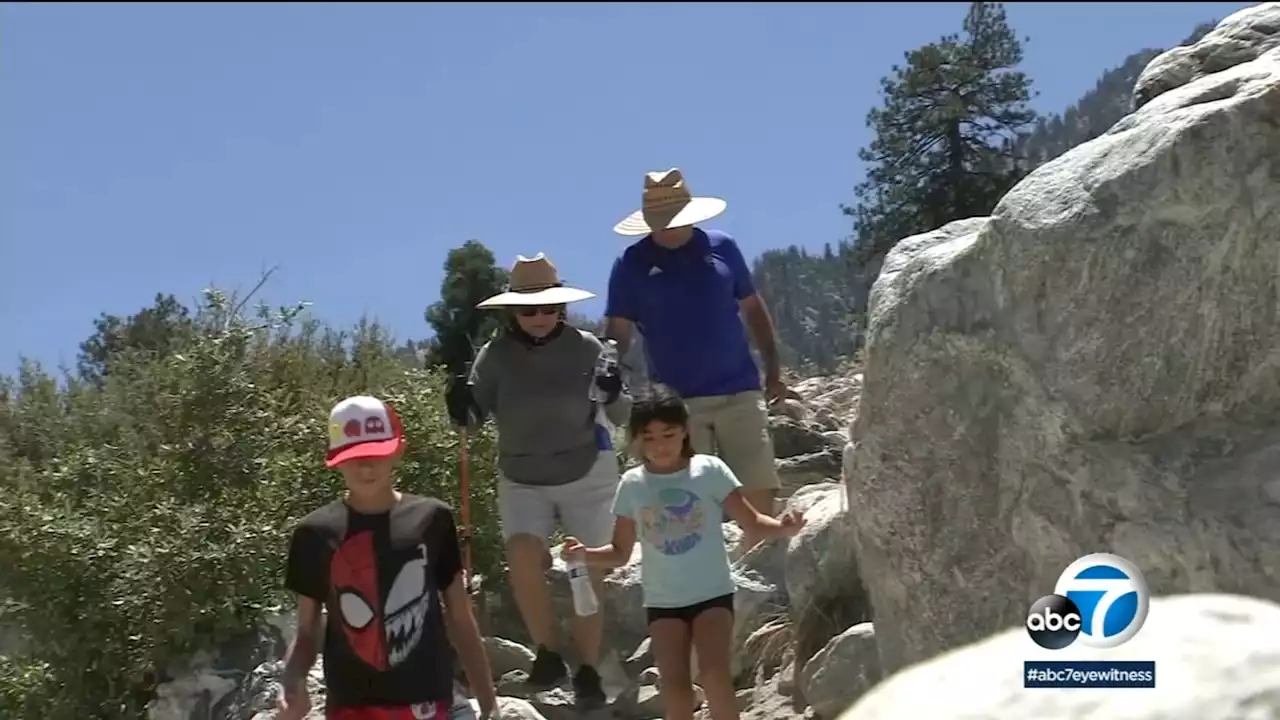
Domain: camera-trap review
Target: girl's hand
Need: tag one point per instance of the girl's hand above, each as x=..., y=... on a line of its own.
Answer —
x=573, y=547
x=792, y=521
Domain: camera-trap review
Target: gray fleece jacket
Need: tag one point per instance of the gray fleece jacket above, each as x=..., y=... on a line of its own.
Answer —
x=538, y=396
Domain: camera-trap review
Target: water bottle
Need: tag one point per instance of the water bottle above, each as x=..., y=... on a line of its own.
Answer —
x=584, y=596
x=606, y=364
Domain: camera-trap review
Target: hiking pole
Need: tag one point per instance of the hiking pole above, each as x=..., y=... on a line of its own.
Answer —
x=464, y=513
x=464, y=506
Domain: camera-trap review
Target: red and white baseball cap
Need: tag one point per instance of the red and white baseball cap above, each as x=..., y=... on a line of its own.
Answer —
x=362, y=427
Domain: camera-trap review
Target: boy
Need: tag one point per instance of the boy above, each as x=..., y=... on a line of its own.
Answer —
x=381, y=562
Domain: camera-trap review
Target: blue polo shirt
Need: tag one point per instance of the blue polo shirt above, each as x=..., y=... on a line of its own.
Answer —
x=685, y=303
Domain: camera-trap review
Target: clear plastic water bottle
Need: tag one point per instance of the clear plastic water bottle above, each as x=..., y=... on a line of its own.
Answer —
x=605, y=364
x=584, y=596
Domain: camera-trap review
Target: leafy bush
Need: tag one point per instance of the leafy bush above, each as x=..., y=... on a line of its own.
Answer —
x=148, y=517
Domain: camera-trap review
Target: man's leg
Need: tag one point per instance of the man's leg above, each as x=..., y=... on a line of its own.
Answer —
x=586, y=510
x=741, y=428
x=701, y=414
x=528, y=517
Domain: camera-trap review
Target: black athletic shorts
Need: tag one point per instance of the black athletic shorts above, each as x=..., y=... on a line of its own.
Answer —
x=689, y=612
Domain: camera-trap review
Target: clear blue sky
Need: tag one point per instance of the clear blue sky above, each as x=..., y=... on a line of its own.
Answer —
x=165, y=148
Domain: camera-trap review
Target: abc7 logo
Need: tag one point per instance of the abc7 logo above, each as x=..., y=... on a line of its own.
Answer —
x=1117, y=600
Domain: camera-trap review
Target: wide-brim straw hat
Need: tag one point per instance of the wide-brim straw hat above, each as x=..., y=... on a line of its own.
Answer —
x=667, y=203
x=534, y=281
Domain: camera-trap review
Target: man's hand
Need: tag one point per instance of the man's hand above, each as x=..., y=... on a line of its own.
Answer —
x=774, y=388
x=488, y=705
x=293, y=704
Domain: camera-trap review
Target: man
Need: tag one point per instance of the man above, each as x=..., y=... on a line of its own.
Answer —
x=688, y=290
x=381, y=562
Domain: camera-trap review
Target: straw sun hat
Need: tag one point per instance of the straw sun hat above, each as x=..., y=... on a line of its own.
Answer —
x=667, y=203
x=534, y=281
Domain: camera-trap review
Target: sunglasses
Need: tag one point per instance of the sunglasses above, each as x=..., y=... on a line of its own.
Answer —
x=540, y=310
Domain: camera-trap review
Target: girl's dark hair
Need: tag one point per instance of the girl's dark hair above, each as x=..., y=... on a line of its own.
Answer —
x=668, y=410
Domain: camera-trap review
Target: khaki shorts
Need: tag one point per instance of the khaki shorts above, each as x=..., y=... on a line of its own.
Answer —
x=736, y=427
x=584, y=507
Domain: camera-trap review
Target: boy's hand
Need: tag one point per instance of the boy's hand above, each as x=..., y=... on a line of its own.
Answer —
x=792, y=521
x=573, y=548
x=488, y=706
x=294, y=704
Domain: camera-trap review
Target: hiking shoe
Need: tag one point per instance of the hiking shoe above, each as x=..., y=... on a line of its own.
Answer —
x=587, y=688
x=548, y=669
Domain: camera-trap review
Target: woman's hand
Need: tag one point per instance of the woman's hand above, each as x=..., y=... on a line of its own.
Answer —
x=461, y=403
x=610, y=384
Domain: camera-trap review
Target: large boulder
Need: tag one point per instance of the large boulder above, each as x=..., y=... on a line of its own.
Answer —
x=1096, y=367
x=1215, y=658
x=845, y=668
x=1240, y=38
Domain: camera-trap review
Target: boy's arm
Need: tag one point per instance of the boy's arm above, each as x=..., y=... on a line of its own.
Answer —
x=304, y=650
x=459, y=617
x=465, y=634
x=305, y=574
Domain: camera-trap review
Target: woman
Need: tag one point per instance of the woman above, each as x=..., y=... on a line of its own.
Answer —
x=555, y=451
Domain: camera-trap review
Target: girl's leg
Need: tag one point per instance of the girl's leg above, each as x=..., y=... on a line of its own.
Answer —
x=712, y=634
x=671, y=652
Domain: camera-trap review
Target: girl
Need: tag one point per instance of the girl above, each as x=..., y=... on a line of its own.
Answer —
x=674, y=503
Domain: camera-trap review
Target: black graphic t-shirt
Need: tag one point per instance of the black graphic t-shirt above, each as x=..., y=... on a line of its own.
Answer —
x=381, y=577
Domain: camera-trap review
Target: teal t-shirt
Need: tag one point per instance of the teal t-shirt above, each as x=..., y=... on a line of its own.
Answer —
x=683, y=557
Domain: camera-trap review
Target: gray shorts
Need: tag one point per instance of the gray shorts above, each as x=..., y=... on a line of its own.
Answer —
x=584, y=507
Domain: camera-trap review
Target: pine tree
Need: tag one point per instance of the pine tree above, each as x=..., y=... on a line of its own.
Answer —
x=154, y=329
x=470, y=275
x=945, y=135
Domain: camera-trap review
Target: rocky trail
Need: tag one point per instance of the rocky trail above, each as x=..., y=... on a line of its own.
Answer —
x=810, y=431
x=1092, y=368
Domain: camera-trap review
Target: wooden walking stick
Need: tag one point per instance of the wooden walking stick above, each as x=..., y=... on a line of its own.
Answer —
x=464, y=506
x=475, y=590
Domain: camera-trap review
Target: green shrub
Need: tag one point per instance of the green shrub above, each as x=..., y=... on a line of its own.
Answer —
x=148, y=518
